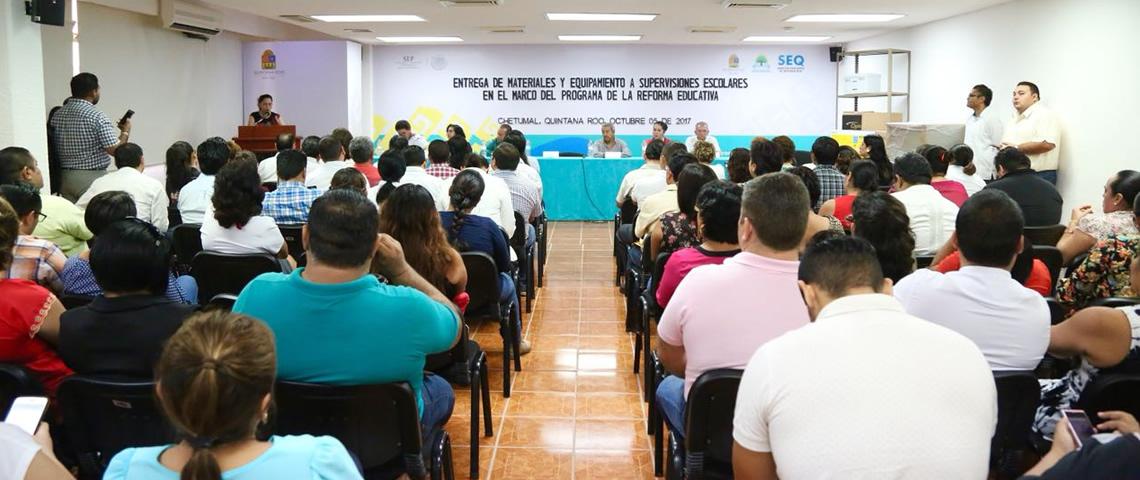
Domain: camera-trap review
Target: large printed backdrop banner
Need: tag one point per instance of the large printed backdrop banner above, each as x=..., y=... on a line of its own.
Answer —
x=559, y=96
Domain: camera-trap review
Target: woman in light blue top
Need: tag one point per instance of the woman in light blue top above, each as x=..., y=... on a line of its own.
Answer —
x=215, y=379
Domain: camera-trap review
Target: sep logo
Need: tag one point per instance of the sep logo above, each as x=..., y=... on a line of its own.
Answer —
x=790, y=62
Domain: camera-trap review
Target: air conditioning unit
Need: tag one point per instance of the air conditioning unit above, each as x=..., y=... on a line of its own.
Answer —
x=773, y=4
x=471, y=3
x=192, y=20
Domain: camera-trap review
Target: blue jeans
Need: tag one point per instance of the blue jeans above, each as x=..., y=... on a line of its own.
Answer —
x=439, y=401
x=508, y=296
x=1049, y=176
x=189, y=288
x=671, y=403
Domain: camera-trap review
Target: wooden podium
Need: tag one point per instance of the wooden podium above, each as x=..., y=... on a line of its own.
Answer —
x=262, y=140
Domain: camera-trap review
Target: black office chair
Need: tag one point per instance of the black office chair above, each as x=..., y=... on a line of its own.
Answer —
x=219, y=273
x=16, y=381
x=526, y=259
x=802, y=157
x=71, y=301
x=105, y=416
x=1056, y=310
x=650, y=311
x=923, y=261
x=378, y=423
x=541, y=231
x=1112, y=391
x=709, y=411
x=224, y=301
x=1018, y=394
x=1048, y=235
x=1052, y=259
x=186, y=241
x=483, y=288
x=626, y=215
x=1115, y=302
x=470, y=356
x=292, y=235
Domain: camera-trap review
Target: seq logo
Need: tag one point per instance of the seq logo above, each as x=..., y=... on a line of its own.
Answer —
x=790, y=63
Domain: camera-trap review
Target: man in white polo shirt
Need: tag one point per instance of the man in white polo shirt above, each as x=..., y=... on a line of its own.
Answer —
x=1008, y=322
x=651, y=168
x=983, y=130
x=1035, y=131
x=701, y=134
x=866, y=391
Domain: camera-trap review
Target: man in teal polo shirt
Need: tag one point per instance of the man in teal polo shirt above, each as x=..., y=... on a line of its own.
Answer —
x=335, y=323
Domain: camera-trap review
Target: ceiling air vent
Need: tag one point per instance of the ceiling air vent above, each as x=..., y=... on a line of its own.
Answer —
x=471, y=3
x=300, y=18
x=711, y=29
x=358, y=30
x=505, y=29
x=772, y=4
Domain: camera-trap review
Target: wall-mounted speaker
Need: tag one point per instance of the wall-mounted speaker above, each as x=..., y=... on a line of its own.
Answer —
x=47, y=12
x=836, y=53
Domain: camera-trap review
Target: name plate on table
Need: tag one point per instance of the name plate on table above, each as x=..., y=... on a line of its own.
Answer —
x=613, y=154
x=550, y=153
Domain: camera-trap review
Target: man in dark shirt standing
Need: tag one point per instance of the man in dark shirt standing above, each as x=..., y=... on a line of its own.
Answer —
x=1039, y=200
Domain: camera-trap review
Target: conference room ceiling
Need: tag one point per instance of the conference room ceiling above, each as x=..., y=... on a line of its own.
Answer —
x=672, y=26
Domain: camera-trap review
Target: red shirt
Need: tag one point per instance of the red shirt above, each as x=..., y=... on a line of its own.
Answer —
x=370, y=172
x=23, y=308
x=843, y=210
x=1038, y=281
x=952, y=190
x=681, y=263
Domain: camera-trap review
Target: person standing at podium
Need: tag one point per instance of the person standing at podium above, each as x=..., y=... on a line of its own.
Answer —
x=264, y=114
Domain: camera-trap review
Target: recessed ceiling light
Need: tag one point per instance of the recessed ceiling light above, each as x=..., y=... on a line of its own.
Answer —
x=369, y=18
x=599, y=38
x=846, y=17
x=601, y=17
x=786, y=38
x=419, y=39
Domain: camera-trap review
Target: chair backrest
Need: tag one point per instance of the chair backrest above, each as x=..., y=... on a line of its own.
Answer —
x=1056, y=310
x=104, y=416
x=186, y=241
x=923, y=261
x=1053, y=261
x=482, y=284
x=1112, y=391
x=1047, y=235
x=292, y=235
x=15, y=381
x=1115, y=302
x=658, y=272
x=1018, y=394
x=518, y=239
x=70, y=301
x=628, y=211
x=379, y=423
x=708, y=421
x=219, y=273
x=802, y=157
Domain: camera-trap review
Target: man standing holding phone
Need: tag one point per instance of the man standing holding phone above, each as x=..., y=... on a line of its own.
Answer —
x=85, y=137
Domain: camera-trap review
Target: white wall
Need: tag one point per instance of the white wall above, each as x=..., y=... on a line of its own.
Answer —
x=315, y=85
x=1079, y=52
x=22, y=121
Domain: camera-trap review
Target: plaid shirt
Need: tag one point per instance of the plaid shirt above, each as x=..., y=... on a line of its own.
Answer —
x=290, y=203
x=524, y=194
x=830, y=182
x=39, y=261
x=83, y=134
x=442, y=170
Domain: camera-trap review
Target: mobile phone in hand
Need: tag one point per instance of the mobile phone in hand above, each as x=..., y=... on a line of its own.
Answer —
x=1079, y=425
x=26, y=413
x=126, y=116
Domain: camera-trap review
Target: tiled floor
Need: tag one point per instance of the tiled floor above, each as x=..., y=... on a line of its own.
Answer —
x=575, y=410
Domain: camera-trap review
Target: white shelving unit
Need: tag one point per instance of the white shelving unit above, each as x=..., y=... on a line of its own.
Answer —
x=890, y=94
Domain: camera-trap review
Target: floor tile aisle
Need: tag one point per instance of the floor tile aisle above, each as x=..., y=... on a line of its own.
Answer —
x=575, y=410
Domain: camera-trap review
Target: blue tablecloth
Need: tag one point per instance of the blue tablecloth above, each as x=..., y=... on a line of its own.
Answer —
x=583, y=188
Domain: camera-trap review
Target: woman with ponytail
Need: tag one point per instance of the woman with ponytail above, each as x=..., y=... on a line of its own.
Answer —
x=475, y=233
x=215, y=384
x=875, y=149
x=963, y=170
x=939, y=160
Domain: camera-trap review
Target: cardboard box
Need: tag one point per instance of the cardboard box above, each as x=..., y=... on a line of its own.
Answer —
x=869, y=121
x=905, y=137
x=862, y=83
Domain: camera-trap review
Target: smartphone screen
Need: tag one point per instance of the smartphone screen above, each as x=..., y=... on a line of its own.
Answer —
x=1079, y=425
x=26, y=413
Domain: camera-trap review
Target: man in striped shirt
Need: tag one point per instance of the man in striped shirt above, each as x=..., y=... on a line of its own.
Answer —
x=85, y=137
x=525, y=198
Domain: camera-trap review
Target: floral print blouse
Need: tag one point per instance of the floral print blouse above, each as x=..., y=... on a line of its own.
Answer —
x=1101, y=225
x=1103, y=274
x=677, y=232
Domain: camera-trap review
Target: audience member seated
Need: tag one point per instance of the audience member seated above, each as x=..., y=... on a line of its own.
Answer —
x=122, y=331
x=361, y=151
x=706, y=153
x=410, y=217
x=711, y=321
x=215, y=386
x=350, y=179
x=1102, y=339
x=939, y=160
x=149, y=194
x=397, y=143
x=824, y=153
x=27, y=457
x=862, y=177
x=811, y=402
x=528, y=168
x=1103, y=274
x=415, y=174
x=194, y=199
x=469, y=232
x=78, y=276
x=880, y=218
x=33, y=259
x=495, y=203
x=847, y=156
x=439, y=153
x=392, y=168
x=874, y=148
x=267, y=168
x=181, y=169
x=765, y=157
x=1008, y=322
x=1028, y=271
x=738, y=160
x=651, y=173
x=311, y=145
x=677, y=230
x=234, y=224
x=963, y=170
x=30, y=327
x=289, y=204
x=332, y=160
x=343, y=326
x=344, y=137
x=816, y=223
x=1086, y=228
x=1039, y=200
x=931, y=215
x=63, y=221
x=1118, y=458
x=654, y=206
x=787, y=151
x=525, y=196
x=717, y=212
